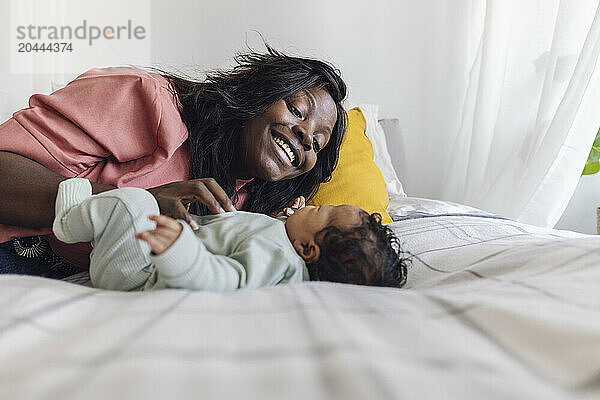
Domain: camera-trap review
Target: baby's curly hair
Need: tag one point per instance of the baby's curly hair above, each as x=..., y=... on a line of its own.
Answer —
x=369, y=254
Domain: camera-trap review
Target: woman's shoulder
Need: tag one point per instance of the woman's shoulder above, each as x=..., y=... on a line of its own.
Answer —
x=120, y=77
x=115, y=72
x=128, y=82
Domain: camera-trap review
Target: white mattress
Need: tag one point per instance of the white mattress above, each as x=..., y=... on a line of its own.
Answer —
x=493, y=309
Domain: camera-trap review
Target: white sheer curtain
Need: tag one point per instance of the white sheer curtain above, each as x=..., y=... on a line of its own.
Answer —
x=531, y=107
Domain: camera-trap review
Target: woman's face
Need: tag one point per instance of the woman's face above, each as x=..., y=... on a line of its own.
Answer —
x=283, y=142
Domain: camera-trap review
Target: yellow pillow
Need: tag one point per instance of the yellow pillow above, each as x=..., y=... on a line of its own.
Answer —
x=356, y=179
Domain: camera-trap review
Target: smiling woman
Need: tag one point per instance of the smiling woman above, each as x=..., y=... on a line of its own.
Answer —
x=253, y=138
x=283, y=142
x=273, y=118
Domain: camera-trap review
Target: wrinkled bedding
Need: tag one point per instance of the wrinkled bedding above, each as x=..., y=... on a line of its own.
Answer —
x=493, y=309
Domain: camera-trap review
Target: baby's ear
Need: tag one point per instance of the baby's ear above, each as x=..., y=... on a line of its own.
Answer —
x=309, y=251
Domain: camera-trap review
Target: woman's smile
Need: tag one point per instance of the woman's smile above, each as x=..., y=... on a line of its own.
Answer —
x=282, y=143
x=287, y=150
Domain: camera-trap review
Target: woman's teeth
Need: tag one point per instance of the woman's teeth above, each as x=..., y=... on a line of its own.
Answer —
x=286, y=149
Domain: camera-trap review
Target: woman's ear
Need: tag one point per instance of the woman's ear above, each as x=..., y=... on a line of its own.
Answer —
x=309, y=251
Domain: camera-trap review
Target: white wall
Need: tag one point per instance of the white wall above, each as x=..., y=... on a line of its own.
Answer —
x=404, y=55
x=580, y=215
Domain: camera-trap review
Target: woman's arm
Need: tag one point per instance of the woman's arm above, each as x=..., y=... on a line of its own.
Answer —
x=28, y=191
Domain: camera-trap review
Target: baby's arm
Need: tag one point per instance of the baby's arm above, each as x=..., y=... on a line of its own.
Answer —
x=175, y=272
x=183, y=261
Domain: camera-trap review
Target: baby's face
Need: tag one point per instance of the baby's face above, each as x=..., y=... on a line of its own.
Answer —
x=304, y=224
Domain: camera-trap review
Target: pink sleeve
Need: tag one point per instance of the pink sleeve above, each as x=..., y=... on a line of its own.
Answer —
x=106, y=114
x=110, y=125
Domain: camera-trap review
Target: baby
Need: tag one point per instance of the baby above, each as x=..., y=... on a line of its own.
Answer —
x=135, y=248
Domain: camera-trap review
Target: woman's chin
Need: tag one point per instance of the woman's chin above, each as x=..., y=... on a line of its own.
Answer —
x=273, y=172
x=274, y=177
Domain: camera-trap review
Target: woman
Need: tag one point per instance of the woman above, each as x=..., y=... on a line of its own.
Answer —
x=254, y=138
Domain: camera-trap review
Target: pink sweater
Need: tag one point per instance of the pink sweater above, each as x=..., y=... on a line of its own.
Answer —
x=118, y=126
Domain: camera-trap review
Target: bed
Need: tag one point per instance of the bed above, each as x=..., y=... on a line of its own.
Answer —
x=493, y=309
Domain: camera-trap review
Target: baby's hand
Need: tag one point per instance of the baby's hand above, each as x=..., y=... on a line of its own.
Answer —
x=292, y=207
x=297, y=204
x=163, y=236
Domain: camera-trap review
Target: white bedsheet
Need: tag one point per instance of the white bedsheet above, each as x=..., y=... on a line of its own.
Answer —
x=493, y=309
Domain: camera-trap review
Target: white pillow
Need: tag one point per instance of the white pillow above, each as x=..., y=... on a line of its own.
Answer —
x=381, y=157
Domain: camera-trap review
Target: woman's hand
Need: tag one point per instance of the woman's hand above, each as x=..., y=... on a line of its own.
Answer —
x=292, y=207
x=175, y=198
x=163, y=236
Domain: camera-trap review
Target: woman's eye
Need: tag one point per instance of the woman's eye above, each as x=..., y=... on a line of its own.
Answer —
x=294, y=110
x=316, y=146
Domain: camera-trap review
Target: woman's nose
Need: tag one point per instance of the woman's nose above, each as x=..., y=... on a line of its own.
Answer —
x=306, y=138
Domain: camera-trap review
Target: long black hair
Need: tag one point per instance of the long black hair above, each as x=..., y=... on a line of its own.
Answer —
x=215, y=109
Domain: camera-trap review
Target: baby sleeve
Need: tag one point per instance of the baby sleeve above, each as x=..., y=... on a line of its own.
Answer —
x=187, y=264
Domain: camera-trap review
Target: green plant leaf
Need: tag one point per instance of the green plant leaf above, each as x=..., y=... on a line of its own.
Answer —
x=591, y=168
x=592, y=165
